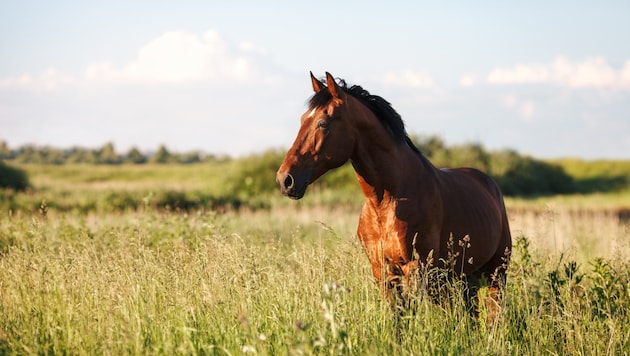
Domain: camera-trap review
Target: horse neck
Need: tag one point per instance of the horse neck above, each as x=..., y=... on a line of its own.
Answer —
x=385, y=168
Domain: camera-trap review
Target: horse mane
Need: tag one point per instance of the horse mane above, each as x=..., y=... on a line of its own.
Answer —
x=382, y=109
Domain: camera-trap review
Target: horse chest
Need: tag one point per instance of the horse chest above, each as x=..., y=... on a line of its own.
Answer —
x=384, y=236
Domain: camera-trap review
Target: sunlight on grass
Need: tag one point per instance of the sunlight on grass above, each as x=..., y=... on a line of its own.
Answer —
x=98, y=260
x=272, y=282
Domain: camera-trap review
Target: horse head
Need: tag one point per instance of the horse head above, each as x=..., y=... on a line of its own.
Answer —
x=324, y=140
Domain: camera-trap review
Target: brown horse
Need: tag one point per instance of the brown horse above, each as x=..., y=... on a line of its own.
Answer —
x=412, y=209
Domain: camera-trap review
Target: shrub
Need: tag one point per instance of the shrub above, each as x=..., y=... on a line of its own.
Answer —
x=12, y=178
x=526, y=176
x=256, y=175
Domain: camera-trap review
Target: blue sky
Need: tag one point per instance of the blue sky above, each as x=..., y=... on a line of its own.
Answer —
x=550, y=79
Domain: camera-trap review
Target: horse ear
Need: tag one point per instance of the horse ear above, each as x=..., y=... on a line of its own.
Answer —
x=317, y=85
x=332, y=86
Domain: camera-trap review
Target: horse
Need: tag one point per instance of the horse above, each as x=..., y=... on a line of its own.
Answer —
x=413, y=212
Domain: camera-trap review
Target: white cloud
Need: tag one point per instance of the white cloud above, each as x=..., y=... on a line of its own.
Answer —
x=17, y=82
x=251, y=47
x=50, y=80
x=468, y=80
x=519, y=74
x=510, y=101
x=177, y=57
x=625, y=74
x=407, y=78
x=593, y=72
x=526, y=109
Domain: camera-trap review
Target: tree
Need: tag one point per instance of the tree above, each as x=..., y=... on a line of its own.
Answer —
x=28, y=154
x=107, y=154
x=80, y=155
x=50, y=155
x=256, y=174
x=161, y=156
x=429, y=144
x=190, y=157
x=12, y=178
x=526, y=176
x=5, y=152
x=135, y=156
x=470, y=155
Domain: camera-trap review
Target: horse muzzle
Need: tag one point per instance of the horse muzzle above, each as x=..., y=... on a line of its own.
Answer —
x=292, y=186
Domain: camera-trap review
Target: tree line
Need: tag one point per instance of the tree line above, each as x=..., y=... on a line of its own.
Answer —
x=105, y=154
x=518, y=175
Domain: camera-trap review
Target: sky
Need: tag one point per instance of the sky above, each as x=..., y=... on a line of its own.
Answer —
x=549, y=79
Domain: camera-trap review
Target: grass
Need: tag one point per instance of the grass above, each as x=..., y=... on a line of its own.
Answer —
x=273, y=282
x=288, y=279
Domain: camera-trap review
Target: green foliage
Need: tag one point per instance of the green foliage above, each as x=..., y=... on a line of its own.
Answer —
x=597, y=176
x=256, y=175
x=164, y=259
x=122, y=188
x=254, y=181
x=253, y=177
x=161, y=156
x=430, y=146
x=516, y=174
x=268, y=283
x=134, y=156
x=5, y=151
x=102, y=155
x=78, y=155
x=12, y=178
x=470, y=155
x=610, y=286
x=343, y=179
x=524, y=176
x=467, y=155
x=107, y=155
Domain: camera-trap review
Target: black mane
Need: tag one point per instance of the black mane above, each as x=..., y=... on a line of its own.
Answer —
x=383, y=110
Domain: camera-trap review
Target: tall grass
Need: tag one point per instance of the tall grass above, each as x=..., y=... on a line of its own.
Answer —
x=273, y=282
x=103, y=260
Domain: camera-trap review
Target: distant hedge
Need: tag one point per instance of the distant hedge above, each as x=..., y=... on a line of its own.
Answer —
x=526, y=176
x=12, y=178
x=518, y=175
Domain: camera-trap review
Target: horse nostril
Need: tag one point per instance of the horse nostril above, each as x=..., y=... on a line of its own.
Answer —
x=288, y=182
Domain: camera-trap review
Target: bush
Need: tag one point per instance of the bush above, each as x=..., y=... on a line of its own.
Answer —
x=525, y=176
x=12, y=178
x=256, y=175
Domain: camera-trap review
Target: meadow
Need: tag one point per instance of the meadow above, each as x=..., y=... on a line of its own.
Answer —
x=166, y=259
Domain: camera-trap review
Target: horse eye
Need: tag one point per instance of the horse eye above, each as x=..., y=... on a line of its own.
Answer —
x=322, y=124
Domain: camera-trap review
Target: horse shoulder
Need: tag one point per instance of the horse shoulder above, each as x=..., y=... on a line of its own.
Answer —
x=380, y=226
x=368, y=233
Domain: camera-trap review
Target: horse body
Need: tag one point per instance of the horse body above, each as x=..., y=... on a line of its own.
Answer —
x=475, y=208
x=421, y=210
x=414, y=212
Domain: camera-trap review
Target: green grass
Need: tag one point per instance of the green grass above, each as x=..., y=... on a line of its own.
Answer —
x=119, y=188
x=132, y=276
x=273, y=282
x=206, y=176
x=105, y=189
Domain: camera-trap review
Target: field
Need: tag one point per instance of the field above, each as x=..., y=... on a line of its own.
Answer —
x=116, y=260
